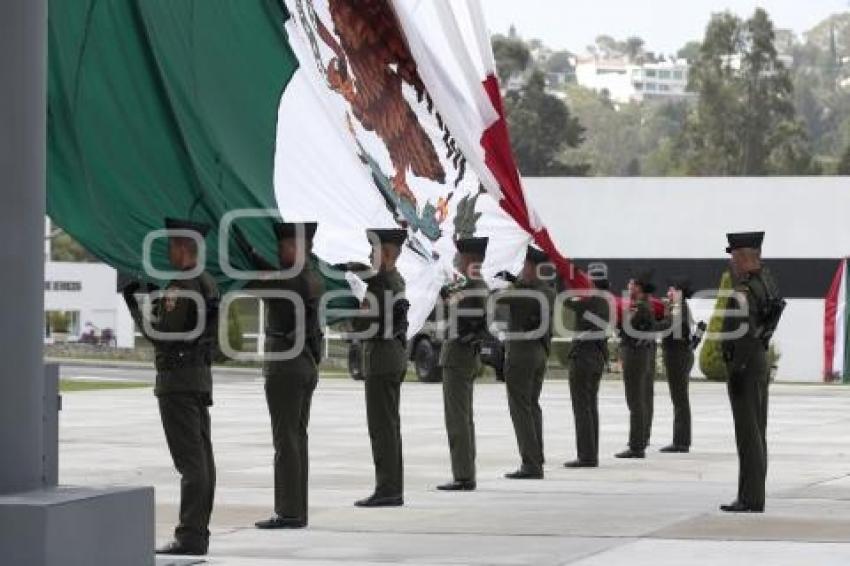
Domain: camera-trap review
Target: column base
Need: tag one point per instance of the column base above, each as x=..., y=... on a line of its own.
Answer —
x=77, y=526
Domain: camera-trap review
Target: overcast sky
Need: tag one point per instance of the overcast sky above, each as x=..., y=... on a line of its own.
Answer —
x=666, y=25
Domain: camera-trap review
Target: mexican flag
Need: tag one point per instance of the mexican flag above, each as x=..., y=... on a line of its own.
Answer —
x=353, y=113
x=837, y=316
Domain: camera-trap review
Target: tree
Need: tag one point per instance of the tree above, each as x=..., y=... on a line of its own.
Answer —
x=64, y=248
x=844, y=164
x=745, y=122
x=559, y=62
x=690, y=52
x=634, y=48
x=512, y=57
x=541, y=129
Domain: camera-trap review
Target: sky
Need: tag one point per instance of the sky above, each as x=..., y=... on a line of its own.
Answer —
x=665, y=25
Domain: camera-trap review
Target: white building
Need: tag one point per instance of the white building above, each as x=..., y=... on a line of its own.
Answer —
x=629, y=82
x=678, y=226
x=86, y=296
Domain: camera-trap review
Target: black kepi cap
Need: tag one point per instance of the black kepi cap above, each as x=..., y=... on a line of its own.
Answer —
x=597, y=272
x=395, y=236
x=285, y=230
x=178, y=224
x=476, y=246
x=739, y=240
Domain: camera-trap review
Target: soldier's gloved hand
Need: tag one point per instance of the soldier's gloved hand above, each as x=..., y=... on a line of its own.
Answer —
x=507, y=276
x=131, y=289
x=444, y=293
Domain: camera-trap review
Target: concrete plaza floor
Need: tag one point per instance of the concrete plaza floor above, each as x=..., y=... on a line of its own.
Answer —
x=660, y=511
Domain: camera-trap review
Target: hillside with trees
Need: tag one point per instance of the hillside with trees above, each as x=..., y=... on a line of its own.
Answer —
x=765, y=102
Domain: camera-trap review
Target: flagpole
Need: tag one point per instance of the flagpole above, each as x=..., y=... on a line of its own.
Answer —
x=111, y=525
x=23, y=67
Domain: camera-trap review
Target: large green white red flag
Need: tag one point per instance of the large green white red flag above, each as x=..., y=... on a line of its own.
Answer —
x=353, y=113
x=836, y=318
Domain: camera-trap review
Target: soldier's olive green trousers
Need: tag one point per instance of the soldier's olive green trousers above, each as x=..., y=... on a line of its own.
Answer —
x=636, y=361
x=678, y=363
x=649, y=392
x=289, y=396
x=383, y=393
x=186, y=422
x=748, y=396
x=525, y=368
x=458, y=386
x=585, y=374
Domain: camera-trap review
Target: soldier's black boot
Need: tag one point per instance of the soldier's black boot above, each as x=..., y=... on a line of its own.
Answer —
x=458, y=485
x=739, y=507
x=376, y=500
x=278, y=522
x=581, y=464
x=525, y=473
x=176, y=548
x=675, y=449
x=630, y=453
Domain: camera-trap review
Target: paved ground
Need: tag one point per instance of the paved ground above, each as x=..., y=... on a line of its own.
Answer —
x=661, y=511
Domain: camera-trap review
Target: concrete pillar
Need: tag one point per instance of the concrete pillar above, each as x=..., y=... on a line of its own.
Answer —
x=23, y=68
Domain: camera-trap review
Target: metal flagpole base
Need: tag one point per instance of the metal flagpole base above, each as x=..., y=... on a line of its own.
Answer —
x=75, y=526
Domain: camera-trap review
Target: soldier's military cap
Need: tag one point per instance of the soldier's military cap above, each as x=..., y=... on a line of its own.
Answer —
x=476, y=246
x=387, y=235
x=683, y=284
x=644, y=279
x=178, y=224
x=741, y=240
x=536, y=255
x=285, y=230
x=597, y=272
x=598, y=275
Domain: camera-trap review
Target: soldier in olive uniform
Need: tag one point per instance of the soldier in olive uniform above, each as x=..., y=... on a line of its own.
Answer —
x=678, y=354
x=526, y=359
x=460, y=359
x=745, y=345
x=184, y=381
x=637, y=335
x=384, y=318
x=291, y=375
x=587, y=360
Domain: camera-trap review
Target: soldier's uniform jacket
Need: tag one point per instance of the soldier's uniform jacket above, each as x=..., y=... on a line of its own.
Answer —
x=590, y=336
x=183, y=366
x=640, y=318
x=753, y=291
x=385, y=353
x=461, y=350
x=680, y=325
x=526, y=312
x=283, y=324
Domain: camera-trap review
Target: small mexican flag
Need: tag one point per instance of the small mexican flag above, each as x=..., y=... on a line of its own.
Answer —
x=836, y=338
x=353, y=113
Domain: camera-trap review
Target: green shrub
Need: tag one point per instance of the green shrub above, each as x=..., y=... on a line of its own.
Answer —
x=59, y=322
x=234, y=329
x=711, y=357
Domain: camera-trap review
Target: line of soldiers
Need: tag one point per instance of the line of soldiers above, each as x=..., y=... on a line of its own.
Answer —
x=184, y=358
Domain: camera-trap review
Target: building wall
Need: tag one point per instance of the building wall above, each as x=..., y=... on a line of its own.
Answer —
x=683, y=221
x=90, y=289
x=626, y=82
